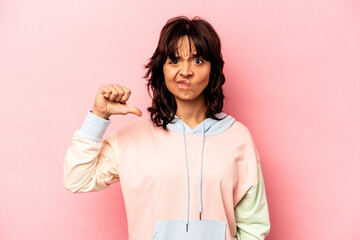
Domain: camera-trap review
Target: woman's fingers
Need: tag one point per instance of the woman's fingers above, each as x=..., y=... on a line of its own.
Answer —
x=114, y=93
x=114, y=100
x=124, y=93
x=105, y=91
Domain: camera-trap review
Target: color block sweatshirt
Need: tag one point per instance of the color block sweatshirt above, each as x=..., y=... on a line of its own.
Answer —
x=204, y=183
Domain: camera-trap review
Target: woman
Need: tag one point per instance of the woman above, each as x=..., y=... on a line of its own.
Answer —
x=190, y=171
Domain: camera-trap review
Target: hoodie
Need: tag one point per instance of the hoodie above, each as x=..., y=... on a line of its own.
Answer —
x=183, y=184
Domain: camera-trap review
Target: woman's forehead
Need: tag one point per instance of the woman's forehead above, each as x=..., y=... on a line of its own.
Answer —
x=183, y=47
x=185, y=40
x=185, y=53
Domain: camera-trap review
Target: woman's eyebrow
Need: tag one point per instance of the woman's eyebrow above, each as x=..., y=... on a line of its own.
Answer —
x=191, y=56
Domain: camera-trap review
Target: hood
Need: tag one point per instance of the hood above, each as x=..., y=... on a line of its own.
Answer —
x=211, y=126
x=208, y=127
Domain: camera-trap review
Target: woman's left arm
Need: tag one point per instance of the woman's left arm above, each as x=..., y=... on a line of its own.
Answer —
x=252, y=214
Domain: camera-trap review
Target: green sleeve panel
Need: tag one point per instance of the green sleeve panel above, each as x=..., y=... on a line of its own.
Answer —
x=252, y=214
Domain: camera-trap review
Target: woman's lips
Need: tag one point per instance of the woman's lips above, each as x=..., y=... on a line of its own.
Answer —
x=182, y=83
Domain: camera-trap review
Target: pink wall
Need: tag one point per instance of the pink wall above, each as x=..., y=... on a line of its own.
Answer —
x=293, y=78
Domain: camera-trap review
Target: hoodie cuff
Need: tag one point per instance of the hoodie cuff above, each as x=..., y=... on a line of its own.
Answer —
x=94, y=127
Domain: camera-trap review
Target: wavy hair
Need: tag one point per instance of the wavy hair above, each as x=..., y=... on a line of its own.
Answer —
x=208, y=46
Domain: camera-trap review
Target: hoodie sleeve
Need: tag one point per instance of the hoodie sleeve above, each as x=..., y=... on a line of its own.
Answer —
x=251, y=211
x=90, y=162
x=252, y=214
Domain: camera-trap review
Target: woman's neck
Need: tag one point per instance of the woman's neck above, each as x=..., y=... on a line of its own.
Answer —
x=191, y=112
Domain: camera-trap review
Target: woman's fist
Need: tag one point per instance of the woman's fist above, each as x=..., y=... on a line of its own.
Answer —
x=111, y=100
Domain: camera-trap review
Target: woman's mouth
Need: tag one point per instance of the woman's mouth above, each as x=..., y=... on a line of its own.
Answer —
x=182, y=83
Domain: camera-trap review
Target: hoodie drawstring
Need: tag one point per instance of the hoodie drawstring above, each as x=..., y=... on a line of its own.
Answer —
x=187, y=174
x=201, y=159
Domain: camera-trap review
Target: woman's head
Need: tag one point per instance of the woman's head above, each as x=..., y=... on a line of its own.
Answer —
x=199, y=38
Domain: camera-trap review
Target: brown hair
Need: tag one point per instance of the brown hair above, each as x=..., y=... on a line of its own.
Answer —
x=207, y=44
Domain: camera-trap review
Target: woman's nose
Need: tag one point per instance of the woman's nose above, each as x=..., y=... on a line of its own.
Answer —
x=186, y=69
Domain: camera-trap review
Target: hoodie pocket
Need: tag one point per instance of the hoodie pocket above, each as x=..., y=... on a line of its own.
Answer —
x=155, y=236
x=197, y=230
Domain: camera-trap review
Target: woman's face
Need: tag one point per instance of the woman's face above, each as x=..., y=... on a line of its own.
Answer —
x=187, y=76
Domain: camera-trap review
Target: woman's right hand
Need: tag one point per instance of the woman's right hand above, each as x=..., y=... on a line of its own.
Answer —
x=111, y=100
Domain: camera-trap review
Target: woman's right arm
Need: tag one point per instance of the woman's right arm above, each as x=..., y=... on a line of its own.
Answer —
x=90, y=163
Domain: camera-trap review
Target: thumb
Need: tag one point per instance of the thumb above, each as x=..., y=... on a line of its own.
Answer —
x=134, y=110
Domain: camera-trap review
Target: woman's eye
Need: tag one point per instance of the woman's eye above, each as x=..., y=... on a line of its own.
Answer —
x=201, y=61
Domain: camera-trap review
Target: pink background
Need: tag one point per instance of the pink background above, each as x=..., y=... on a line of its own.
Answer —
x=292, y=77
